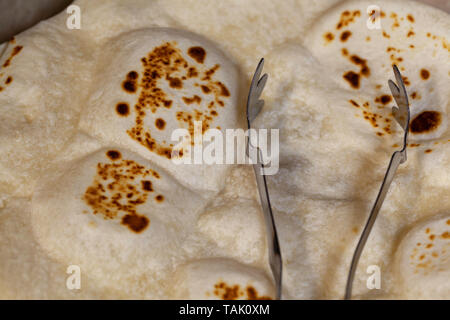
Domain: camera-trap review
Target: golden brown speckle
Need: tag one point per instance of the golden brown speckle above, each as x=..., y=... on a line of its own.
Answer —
x=328, y=37
x=135, y=222
x=160, y=123
x=114, y=155
x=123, y=109
x=130, y=83
x=14, y=52
x=347, y=17
x=147, y=185
x=227, y=292
x=166, y=62
x=345, y=35
x=352, y=78
x=195, y=99
x=425, y=74
x=425, y=122
x=384, y=99
x=354, y=103
x=197, y=53
x=114, y=192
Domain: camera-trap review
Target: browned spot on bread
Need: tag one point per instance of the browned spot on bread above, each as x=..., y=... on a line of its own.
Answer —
x=410, y=33
x=347, y=17
x=406, y=81
x=252, y=294
x=123, y=109
x=167, y=103
x=425, y=122
x=365, y=71
x=354, y=103
x=194, y=99
x=8, y=80
x=228, y=292
x=15, y=51
x=205, y=89
x=352, y=78
x=192, y=72
x=328, y=37
x=159, y=198
x=197, y=53
x=345, y=35
x=135, y=222
x=384, y=99
x=160, y=123
x=410, y=18
x=147, y=185
x=223, y=89
x=114, y=155
x=174, y=82
x=132, y=75
x=167, y=63
x=424, y=74
x=428, y=151
x=115, y=191
x=209, y=73
x=130, y=83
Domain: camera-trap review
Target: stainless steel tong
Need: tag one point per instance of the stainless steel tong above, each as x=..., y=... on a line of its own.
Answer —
x=402, y=116
x=254, y=107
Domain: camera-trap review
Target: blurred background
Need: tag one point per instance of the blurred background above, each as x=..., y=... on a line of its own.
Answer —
x=18, y=15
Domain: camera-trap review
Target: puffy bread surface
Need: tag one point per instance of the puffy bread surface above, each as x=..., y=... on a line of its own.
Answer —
x=155, y=80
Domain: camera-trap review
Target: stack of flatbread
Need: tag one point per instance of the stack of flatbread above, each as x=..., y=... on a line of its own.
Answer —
x=87, y=172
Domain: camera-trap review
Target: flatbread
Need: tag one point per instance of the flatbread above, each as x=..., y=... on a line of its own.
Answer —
x=423, y=260
x=39, y=111
x=198, y=83
x=115, y=214
x=220, y=279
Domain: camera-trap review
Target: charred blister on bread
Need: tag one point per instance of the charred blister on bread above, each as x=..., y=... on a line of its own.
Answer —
x=117, y=190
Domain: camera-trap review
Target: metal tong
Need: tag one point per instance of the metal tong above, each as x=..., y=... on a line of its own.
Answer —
x=254, y=107
x=402, y=116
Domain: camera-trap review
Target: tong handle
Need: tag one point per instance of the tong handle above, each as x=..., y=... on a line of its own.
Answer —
x=275, y=259
x=397, y=158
